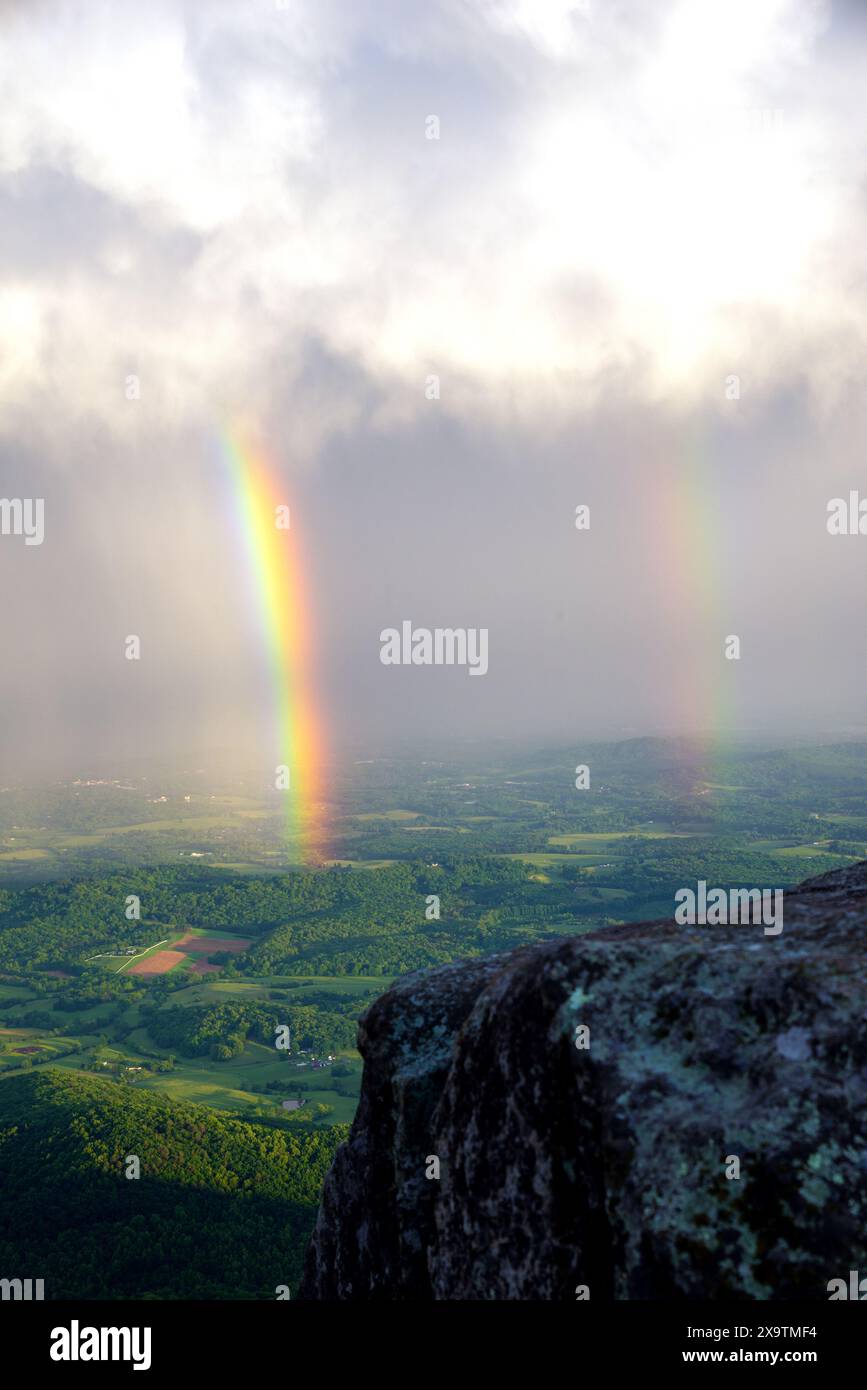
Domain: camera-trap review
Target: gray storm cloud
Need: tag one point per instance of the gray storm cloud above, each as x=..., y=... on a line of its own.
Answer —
x=630, y=264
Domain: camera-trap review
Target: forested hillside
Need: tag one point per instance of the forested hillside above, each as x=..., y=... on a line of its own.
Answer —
x=222, y=1208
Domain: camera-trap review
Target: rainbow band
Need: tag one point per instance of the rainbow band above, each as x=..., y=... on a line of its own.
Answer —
x=275, y=563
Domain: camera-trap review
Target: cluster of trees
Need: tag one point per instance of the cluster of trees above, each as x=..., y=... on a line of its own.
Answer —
x=221, y=1031
x=378, y=923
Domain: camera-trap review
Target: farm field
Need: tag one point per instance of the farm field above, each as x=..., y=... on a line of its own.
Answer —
x=156, y=962
x=187, y=949
x=227, y=1092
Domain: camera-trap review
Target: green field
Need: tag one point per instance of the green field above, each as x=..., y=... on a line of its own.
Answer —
x=224, y=1085
x=185, y=823
x=541, y=859
x=361, y=863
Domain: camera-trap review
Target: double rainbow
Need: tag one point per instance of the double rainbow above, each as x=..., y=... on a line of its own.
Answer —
x=275, y=563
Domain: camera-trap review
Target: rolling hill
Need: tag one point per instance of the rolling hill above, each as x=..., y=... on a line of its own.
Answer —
x=222, y=1208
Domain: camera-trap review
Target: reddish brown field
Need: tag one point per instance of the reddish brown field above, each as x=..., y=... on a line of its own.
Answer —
x=204, y=967
x=208, y=945
x=157, y=964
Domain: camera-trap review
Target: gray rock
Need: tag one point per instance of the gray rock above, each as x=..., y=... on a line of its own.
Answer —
x=606, y=1166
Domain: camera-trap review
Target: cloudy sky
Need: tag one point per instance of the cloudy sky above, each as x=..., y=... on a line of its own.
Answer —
x=634, y=258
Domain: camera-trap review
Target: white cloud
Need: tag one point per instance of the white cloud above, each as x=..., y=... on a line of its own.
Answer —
x=612, y=191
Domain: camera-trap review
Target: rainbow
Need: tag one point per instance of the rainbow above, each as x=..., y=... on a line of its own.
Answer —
x=275, y=565
x=689, y=514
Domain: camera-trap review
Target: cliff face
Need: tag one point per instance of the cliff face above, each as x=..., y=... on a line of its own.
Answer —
x=606, y=1165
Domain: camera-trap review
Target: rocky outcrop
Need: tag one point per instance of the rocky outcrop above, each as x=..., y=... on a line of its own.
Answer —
x=612, y=1165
